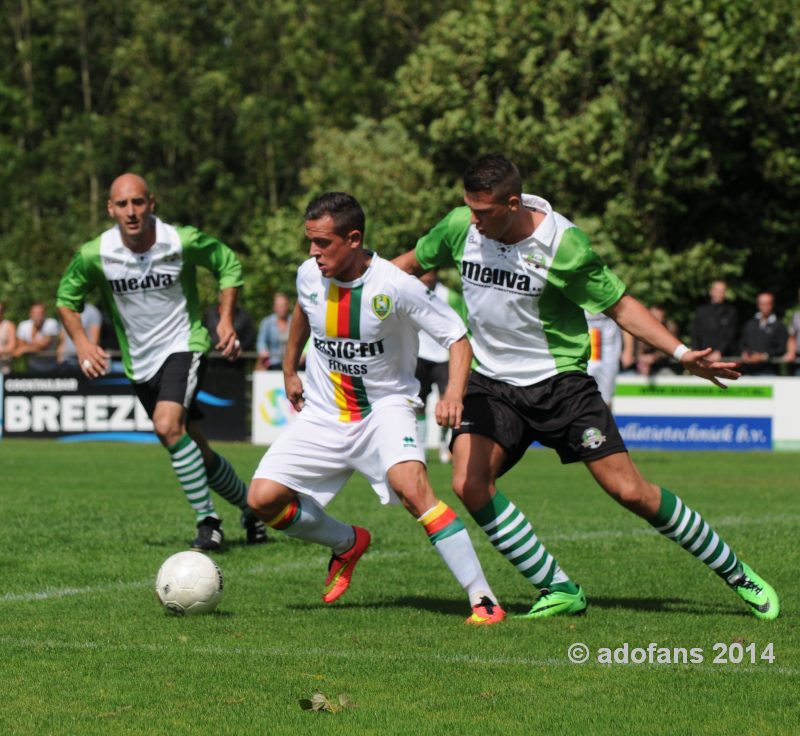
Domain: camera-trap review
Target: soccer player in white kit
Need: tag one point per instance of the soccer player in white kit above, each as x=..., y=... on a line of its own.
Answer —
x=605, y=338
x=358, y=410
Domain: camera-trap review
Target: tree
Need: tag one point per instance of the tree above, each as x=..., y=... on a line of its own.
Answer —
x=668, y=130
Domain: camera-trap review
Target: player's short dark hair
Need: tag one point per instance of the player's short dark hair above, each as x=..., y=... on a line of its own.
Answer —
x=493, y=173
x=343, y=208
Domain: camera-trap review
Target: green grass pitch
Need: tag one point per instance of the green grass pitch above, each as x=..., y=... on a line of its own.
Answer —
x=87, y=650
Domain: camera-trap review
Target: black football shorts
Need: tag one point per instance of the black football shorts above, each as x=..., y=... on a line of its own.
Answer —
x=177, y=380
x=565, y=412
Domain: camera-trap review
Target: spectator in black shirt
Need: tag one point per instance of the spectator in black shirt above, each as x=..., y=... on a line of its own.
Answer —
x=714, y=324
x=764, y=337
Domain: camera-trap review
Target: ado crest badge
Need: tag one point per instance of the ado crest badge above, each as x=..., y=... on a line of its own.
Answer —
x=382, y=306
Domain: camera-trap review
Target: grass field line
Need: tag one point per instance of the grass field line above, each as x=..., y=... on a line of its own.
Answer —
x=722, y=522
x=379, y=655
x=54, y=593
x=120, y=585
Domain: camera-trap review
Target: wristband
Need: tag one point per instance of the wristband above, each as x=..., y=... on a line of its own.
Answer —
x=680, y=351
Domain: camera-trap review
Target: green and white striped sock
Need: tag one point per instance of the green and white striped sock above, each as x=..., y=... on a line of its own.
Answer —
x=512, y=536
x=223, y=479
x=187, y=462
x=681, y=524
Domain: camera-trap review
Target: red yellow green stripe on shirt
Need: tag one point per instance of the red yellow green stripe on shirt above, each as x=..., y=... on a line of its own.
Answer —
x=596, y=338
x=343, y=320
x=440, y=522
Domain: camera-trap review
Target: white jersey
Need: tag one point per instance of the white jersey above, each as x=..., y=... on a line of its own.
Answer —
x=151, y=296
x=605, y=337
x=364, y=337
x=525, y=300
x=429, y=349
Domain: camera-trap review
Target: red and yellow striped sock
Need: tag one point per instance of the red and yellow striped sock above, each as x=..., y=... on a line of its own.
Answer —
x=440, y=522
x=286, y=517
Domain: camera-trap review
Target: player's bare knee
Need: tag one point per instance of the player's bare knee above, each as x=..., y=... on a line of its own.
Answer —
x=460, y=482
x=467, y=486
x=167, y=431
x=267, y=499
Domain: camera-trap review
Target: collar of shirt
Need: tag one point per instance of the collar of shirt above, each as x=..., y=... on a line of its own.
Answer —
x=364, y=276
x=545, y=234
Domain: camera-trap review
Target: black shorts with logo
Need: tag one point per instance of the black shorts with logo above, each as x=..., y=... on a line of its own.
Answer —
x=565, y=412
x=177, y=380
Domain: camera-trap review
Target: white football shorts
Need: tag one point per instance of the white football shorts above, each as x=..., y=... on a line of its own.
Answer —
x=317, y=454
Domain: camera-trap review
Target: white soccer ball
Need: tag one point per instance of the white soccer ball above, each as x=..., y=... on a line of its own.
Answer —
x=188, y=583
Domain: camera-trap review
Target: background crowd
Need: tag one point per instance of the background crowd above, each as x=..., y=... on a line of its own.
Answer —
x=763, y=342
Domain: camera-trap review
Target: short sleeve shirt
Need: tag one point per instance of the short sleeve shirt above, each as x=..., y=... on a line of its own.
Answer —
x=151, y=297
x=364, y=340
x=525, y=301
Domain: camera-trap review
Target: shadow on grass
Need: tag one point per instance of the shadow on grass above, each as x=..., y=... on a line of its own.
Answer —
x=424, y=603
x=184, y=543
x=666, y=605
x=449, y=606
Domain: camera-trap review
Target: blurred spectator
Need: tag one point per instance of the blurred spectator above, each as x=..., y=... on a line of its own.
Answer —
x=8, y=341
x=648, y=360
x=37, y=335
x=67, y=354
x=242, y=323
x=791, y=343
x=714, y=324
x=604, y=361
x=763, y=338
x=433, y=363
x=273, y=332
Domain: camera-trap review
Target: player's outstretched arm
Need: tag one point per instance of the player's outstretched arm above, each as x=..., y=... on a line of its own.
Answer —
x=299, y=330
x=631, y=315
x=92, y=359
x=451, y=405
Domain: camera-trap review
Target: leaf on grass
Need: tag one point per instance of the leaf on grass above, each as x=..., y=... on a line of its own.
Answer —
x=320, y=703
x=345, y=702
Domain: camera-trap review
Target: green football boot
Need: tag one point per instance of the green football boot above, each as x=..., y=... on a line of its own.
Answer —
x=556, y=603
x=757, y=593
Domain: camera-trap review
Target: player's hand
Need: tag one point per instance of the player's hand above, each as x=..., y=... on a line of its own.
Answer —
x=448, y=411
x=697, y=363
x=93, y=360
x=228, y=343
x=294, y=391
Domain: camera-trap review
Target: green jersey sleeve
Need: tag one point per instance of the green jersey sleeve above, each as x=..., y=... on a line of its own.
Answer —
x=444, y=244
x=76, y=283
x=582, y=275
x=204, y=250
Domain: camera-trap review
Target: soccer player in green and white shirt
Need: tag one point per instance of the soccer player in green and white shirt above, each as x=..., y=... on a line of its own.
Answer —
x=528, y=274
x=146, y=273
